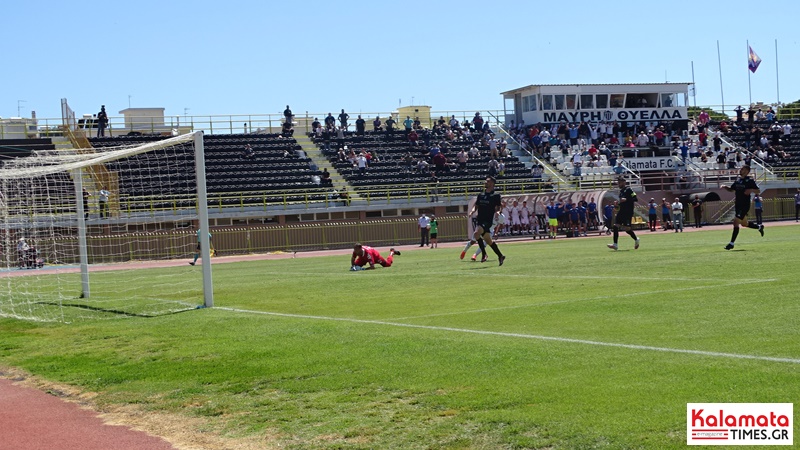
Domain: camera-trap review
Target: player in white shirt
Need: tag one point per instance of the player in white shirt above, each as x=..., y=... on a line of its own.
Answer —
x=507, y=213
x=525, y=217
x=516, y=223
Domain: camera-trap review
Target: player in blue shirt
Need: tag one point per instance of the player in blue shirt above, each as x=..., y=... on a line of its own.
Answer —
x=553, y=211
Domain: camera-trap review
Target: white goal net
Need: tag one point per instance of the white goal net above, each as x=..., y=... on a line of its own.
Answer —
x=104, y=232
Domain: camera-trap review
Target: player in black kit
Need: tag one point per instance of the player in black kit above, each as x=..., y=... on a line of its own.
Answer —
x=744, y=186
x=487, y=204
x=625, y=214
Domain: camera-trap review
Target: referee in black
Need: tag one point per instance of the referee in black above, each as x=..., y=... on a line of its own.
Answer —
x=625, y=214
x=487, y=204
x=743, y=187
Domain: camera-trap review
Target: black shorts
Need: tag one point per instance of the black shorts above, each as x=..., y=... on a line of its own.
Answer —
x=487, y=227
x=741, y=211
x=433, y=235
x=624, y=220
x=653, y=217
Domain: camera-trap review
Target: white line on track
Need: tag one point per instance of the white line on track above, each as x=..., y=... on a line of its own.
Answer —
x=524, y=336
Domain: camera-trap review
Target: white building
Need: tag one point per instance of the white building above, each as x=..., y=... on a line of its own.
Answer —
x=550, y=103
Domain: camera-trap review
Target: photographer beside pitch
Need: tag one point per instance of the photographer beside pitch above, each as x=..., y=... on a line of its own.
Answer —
x=743, y=187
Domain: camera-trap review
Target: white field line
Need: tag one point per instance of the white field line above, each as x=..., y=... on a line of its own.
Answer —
x=576, y=300
x=525, y=336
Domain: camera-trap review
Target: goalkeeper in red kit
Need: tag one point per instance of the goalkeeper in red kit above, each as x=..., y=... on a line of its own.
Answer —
x=365, y=255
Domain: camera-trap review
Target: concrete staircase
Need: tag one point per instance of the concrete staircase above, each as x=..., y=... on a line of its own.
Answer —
x=314, y=152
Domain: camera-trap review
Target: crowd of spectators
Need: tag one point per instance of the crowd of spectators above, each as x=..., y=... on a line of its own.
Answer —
x=761, y=134
x=444, y=148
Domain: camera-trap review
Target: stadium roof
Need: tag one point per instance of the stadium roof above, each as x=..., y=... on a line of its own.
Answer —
x=592, y=84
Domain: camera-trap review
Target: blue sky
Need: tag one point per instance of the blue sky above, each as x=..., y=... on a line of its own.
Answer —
x=254, y=57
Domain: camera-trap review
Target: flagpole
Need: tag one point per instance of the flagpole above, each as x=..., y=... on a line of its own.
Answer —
x=777, y=81
x=694, y=88
x=721, y=92
x=749, y=89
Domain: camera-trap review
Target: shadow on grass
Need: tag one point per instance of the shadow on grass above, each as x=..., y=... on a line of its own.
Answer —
x=117, y=311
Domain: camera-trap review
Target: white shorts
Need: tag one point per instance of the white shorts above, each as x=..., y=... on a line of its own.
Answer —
x=525, y=220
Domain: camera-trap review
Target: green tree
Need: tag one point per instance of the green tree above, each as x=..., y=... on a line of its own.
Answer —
x=789, y=110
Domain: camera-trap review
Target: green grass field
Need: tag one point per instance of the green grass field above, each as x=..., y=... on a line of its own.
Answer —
x=569, y=345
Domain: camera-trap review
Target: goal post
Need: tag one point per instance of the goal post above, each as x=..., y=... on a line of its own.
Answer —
x=71, y=249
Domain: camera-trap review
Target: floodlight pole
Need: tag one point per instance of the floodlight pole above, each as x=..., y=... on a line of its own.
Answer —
x=202, y=216
x=82, y=250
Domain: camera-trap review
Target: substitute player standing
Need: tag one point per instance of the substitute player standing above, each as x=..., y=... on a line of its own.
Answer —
x=623, y=221
x=743, y=187
x=364, y=254
x=487, y=204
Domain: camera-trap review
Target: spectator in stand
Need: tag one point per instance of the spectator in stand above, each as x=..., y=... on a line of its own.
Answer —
x=361, y=160
x=739, y=115
x=477, y=122
x=462, y=157
x=417, y=123
x=703, y=118
x=439, y=163
x=361, y=126
x=659, y=136
x=102, y=121
x=326, y=177
x=343, y=116
x=454, y=123
x=721, y=160
x=642, y=140
x=684, y=148
x=330, y=122
x=787, y=134
x=408, y=123
x=287, y=130
x=751, y=114
x=389, y=127
x=494, y=167
x=376, y=124
x=287, y=114
x=413, y=137
x=248, y=152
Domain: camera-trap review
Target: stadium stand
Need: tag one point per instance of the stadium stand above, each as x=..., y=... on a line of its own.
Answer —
x=776, y=150
x=395, y=160
x=276, y=172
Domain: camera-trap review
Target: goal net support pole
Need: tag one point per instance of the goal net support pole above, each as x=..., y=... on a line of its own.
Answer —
x=202, y=215
x=82, y=247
